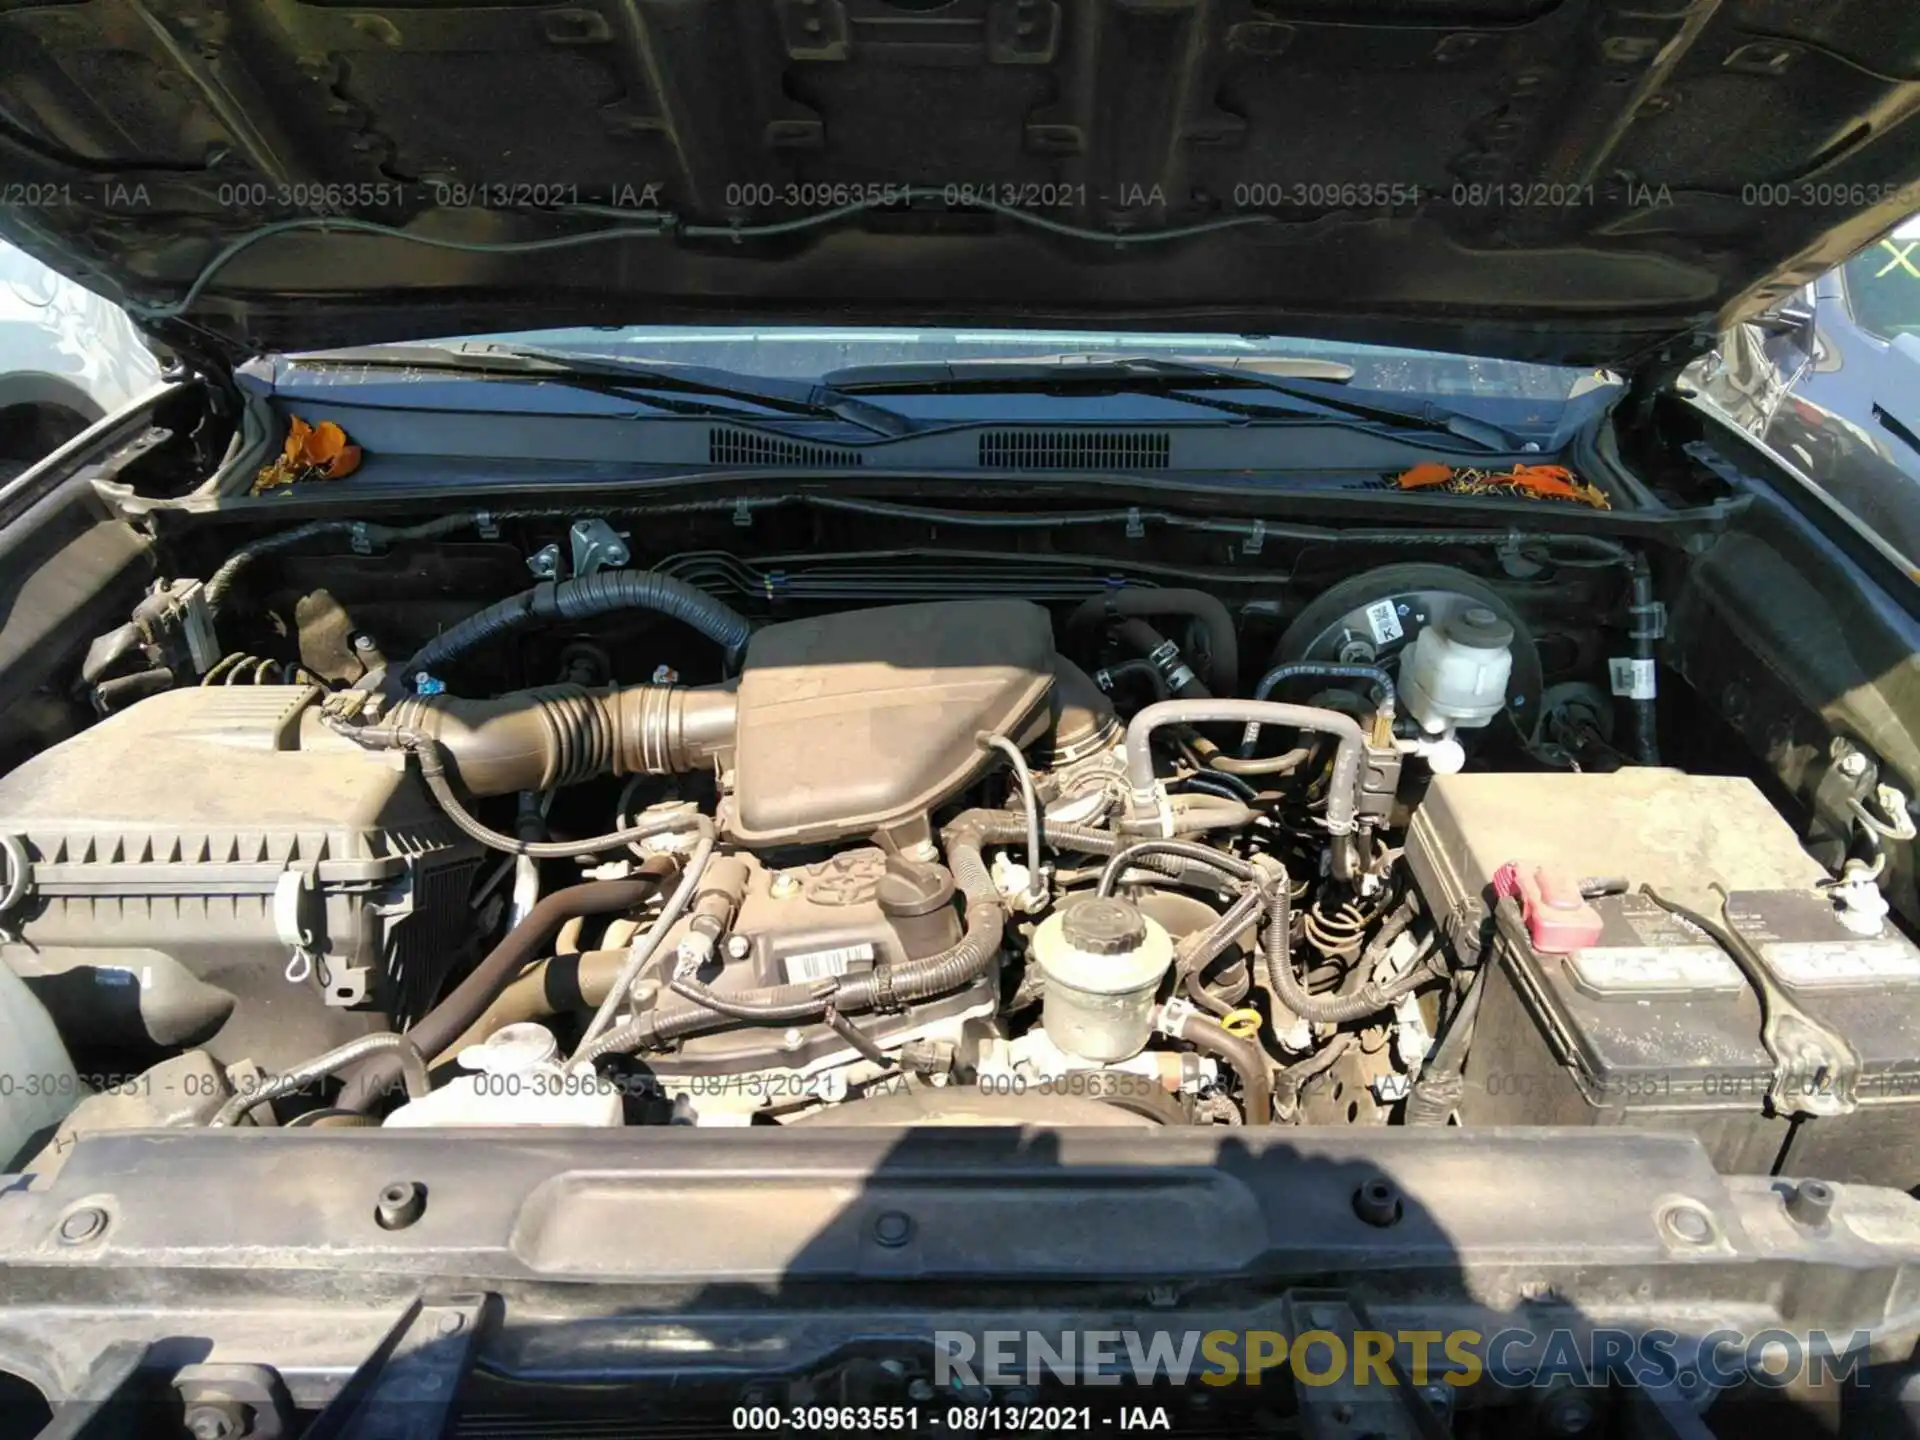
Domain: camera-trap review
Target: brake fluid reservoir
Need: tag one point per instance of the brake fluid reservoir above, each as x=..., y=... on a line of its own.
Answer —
x=1456, y=672
x=1103, y=962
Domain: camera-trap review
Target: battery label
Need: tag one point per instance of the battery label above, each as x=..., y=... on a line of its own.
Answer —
x=1655, y=969
x=1857, y=962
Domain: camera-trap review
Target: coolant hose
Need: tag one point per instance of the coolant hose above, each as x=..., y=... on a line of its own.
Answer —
x=1243, y=1055
x=520, y=947
x=1222, y=643
x=398, y=1051
x=584, y=596
x=1342, y=793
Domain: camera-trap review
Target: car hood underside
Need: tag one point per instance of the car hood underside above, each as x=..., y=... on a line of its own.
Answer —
x=1583, y=182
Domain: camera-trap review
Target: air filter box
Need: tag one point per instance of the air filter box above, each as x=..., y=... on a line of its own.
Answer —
x=214, y=867
x=1656, y=1025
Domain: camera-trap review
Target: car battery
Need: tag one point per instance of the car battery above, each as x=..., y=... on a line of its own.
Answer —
x=1655, y=1024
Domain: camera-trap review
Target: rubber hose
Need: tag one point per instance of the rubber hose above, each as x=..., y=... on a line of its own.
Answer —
x=553, y=986
x=1198, y=854
x=1222, y=641
x=399, y=1051
x=588, y=595
x=223, y=578
x=1163, y=655
x=642, y=950
x=520, y=947
x=1319, y=1009
x=1244, y=1056
x=434, y=771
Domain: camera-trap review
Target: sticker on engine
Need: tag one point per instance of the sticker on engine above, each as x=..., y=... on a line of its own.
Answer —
x=1632, y=679
x=826, y=964
x=1383, y=619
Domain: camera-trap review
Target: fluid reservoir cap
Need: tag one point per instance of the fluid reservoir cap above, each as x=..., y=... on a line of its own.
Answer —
x=1097, y=926
x=1479, y=627
x=910, y=888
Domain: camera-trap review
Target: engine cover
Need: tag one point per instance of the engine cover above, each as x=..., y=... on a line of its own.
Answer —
x=861, y=723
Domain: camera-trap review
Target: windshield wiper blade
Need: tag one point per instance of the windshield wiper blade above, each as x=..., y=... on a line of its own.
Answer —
x=610, y=374
x=1157, y=375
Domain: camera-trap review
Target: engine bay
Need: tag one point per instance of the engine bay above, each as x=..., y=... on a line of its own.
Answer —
x=475, y=821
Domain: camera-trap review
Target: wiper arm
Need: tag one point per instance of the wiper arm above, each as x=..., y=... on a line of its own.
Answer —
x=1156, y=375
x=607, y=374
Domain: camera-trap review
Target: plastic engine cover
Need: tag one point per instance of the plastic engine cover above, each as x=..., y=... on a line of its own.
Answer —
x=862, y=722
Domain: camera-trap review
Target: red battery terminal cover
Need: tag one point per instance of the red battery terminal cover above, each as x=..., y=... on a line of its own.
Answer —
x=1559, y=919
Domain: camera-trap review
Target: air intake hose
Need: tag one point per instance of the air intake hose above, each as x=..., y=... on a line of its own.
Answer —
x=588, y=595
x=558, y=735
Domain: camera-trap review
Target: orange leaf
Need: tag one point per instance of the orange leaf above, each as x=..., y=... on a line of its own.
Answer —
x=326, y=441
x=1430, y=472
x=345, y=463
x=297, y=432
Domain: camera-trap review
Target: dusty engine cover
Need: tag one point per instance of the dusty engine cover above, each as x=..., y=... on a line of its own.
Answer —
x=860, y=723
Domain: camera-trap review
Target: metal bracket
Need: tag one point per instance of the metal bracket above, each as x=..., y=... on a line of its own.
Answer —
x=361, y=537
x=742, y=514
x=1256, y=539
x=241, y=1402
x=488, y=527
x=545, y=562
x=597, y=546
x=1136, y=523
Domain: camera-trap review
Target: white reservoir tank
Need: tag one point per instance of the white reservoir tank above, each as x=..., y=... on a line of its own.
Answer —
x=1455, y=674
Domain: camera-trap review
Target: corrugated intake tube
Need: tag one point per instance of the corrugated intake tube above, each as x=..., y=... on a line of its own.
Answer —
x=602, y=594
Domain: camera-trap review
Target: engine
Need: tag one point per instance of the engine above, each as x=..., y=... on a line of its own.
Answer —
x=970, y=860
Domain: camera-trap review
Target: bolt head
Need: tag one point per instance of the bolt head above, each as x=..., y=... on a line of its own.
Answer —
x=209, y=1422
x=739, y=947
x=1853, y=764
x=87, y=1223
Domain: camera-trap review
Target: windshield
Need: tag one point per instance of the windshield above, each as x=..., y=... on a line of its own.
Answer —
x=806, y=353
x=1883, y=285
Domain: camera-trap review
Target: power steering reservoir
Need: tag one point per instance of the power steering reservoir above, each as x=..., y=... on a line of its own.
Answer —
x=1103, y=961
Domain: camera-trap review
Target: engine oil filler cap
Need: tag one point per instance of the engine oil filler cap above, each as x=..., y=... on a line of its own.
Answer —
x=1559, y=919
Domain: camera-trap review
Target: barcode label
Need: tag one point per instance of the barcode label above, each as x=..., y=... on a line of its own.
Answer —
x=825, y=964
x=1383, y=619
